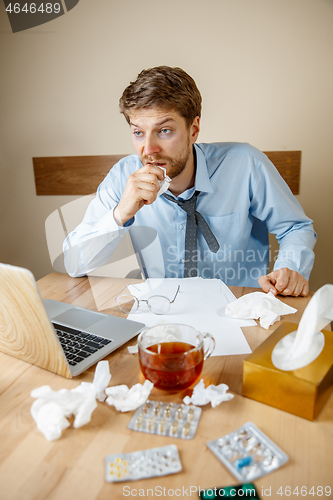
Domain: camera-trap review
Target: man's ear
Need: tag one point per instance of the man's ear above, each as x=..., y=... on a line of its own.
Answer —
x=195, y=129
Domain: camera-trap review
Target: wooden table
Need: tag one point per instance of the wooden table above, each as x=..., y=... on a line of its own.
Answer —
x=73, y=466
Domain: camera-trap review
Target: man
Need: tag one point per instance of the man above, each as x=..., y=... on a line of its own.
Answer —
x=213, y=220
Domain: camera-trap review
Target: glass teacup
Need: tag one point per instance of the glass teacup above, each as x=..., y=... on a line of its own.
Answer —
x=172, y=356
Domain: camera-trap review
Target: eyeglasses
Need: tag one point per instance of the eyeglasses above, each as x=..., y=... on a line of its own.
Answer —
x=157, y=304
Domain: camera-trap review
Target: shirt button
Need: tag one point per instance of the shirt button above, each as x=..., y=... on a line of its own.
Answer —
x=181, y=226
x=183, y=260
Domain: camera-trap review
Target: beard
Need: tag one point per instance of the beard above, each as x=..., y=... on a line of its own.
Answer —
x=173, y=165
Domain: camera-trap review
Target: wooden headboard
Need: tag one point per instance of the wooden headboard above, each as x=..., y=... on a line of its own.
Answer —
x=81, y=175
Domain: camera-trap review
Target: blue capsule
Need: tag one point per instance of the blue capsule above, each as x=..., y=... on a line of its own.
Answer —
x=243, y=462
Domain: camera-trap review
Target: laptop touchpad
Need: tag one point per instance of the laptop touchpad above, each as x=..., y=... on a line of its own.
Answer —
x=78, y=318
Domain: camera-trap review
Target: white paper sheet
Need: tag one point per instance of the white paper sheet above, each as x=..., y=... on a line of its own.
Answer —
x=201, y=304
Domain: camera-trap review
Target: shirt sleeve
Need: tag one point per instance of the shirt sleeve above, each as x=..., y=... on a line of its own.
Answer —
x=93, y=241
x=273, y=202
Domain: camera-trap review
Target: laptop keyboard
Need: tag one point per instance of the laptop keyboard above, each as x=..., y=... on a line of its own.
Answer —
x=78, y=345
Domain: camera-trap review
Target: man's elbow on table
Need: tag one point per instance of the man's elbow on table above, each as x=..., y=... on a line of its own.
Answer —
x=74, y=271
x=72, y=263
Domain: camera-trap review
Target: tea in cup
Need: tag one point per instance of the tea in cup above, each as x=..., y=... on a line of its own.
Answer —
x=172, y=356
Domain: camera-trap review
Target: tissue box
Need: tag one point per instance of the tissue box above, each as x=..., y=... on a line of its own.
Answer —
x=302, y=392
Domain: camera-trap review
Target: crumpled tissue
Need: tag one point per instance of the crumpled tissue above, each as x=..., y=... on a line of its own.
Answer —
x=164, y=185
x=133, y=349
x=51, y=408
x=101, y=379
x=214, y=394
x=125, y=399
x=259, y=305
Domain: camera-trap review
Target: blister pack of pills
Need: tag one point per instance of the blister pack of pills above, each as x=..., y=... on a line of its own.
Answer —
x=142, y=464
x=248, y=453
x=166, y=419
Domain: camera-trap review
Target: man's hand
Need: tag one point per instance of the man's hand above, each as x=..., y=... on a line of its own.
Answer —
x=285, y=282
x=141, y=189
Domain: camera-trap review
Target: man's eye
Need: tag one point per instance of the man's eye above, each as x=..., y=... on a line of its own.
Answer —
x=165, y=130
x=137, y=133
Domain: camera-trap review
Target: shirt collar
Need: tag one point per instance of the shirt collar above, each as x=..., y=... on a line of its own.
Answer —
x=202, y=181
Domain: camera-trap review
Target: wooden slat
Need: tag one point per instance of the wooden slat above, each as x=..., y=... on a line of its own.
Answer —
x=288, y=164
x=71, y=175
x=81, y=175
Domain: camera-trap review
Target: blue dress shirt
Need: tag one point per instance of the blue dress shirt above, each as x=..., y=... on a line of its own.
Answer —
x=241, y=197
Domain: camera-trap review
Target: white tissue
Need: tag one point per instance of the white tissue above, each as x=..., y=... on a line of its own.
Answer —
x=52, y=408
x=164, y=185
x=101, y=379
x=214, y=394
x=259, y=305
x=133, y=349
x=303, y=346
x=125, y=399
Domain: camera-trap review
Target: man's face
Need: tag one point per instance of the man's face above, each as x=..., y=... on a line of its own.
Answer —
x=162, y=137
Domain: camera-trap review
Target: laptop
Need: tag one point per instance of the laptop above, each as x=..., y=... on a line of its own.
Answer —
x=62, y=338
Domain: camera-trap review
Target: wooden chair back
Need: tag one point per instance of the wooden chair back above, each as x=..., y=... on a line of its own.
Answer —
x=81, y=175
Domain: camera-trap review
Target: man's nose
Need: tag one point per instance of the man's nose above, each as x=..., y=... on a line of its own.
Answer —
x=151, y=145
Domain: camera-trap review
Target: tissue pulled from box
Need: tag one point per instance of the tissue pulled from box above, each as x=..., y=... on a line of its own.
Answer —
x=125, y=399
x=52, y=408
x=214, y=394
x=303, y=346
x=317, y=314
x=259, y=305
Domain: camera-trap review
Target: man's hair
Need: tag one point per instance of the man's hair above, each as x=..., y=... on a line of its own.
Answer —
x=163, y=87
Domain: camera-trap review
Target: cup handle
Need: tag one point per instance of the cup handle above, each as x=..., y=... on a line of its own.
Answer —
x=211, y=345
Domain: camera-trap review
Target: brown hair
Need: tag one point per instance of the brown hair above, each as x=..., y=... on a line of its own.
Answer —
x=164, y=87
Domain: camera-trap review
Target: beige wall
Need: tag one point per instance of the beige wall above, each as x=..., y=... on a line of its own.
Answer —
x=264, y=68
